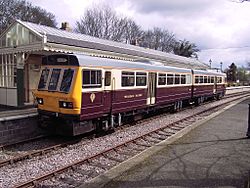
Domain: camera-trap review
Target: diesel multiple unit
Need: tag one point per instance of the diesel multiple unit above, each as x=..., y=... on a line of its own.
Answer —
x=78, y=93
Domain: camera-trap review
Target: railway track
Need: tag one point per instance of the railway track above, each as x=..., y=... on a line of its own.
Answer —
x=61, y=143
x=127, y=149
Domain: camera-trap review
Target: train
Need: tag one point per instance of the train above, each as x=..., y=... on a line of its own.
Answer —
x=77, y=93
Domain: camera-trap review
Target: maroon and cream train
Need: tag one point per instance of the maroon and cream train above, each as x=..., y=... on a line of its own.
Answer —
x=78, y=94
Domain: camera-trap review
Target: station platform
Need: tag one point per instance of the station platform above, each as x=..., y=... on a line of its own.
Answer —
x=214, y=154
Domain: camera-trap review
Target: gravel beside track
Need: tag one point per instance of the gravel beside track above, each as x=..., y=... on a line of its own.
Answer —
x=23, y=171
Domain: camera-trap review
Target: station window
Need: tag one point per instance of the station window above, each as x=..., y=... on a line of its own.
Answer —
x=128, y=79
x=141, y=79
x=183, y=79
x=66, y=80
x=44, y=78
x=107, y=78
x=54, y=79
x=177, y=79
x=8, y=70
x=91, y=78
x=170, y=79
x=162, y=79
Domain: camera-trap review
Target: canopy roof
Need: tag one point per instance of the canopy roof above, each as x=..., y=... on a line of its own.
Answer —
x=57, y=40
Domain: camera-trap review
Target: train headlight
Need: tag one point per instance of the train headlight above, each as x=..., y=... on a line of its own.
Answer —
x=64, y=104
x=39, y=100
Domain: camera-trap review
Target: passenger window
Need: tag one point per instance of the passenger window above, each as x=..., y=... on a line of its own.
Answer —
x=107, y=78
x=197, y=79
x=183, y=79
x=162, y=79
x=212, y=79
x=43, y=79
x=201, y=79
x=91, y=78
x=128, y=79
x=170, y=79
x=205, y=79
x=208, y=79
x=177, y=79
x=67, y=79
x=141, y=79
x=54, y=79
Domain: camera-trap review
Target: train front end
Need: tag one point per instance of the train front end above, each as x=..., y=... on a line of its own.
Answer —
x=58, y=95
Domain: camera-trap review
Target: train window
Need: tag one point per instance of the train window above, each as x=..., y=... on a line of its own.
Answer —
x=177, y=79
x=43, y=79
x=183, y=79
x=208, y=79
x=201, y=79
x=91, y=78
x=170, y=79
x=212, y=79
x=162, y=79
x=219, y=80
x=141, y=79
x=197, y=79
x=205, y=79
x=107, y=78
x=128, y=79
x=188, y=79
x=66, y=80
x=54, y=79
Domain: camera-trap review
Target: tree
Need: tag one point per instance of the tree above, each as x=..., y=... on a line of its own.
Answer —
x=104, y=23
x=232, y=73
x=185, y=48
x=158, y=39
x=24, y=10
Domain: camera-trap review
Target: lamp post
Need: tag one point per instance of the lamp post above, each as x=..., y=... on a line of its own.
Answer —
x=221, y=66
x=210, y=63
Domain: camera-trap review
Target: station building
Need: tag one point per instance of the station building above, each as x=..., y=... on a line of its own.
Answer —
x=23, y=45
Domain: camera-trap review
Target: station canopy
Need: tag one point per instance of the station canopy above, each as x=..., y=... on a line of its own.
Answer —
x=27, y=37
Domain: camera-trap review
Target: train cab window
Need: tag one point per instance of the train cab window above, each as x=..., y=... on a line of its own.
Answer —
x=91, y=78
x=128, y=79
x=201, y=80
x=212, y=79
x=205, y=79
x=141, y=79
x=170, y=79
x=44, y=78
x=177, y=79
x=66, y=80
x=107, y=78
x=197, y=80
x=162, y=79
x=183, y=79
x=54, y=79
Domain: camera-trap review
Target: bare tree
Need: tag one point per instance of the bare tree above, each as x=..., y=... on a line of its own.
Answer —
x=24, y=10
x=159, y=39
x=133, y=32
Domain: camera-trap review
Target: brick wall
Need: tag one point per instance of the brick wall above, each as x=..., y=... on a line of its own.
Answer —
x=19, y=129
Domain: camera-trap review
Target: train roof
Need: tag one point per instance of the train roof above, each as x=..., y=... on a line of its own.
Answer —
x=208, y=72
x=96, y=62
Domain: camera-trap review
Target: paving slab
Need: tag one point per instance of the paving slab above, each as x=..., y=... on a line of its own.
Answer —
x=214, y=154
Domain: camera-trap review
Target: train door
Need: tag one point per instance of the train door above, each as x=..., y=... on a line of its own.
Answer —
x=107, y=91
x=215, y=85
x=151, y=88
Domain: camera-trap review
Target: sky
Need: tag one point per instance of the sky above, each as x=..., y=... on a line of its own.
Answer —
x=219, y=28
